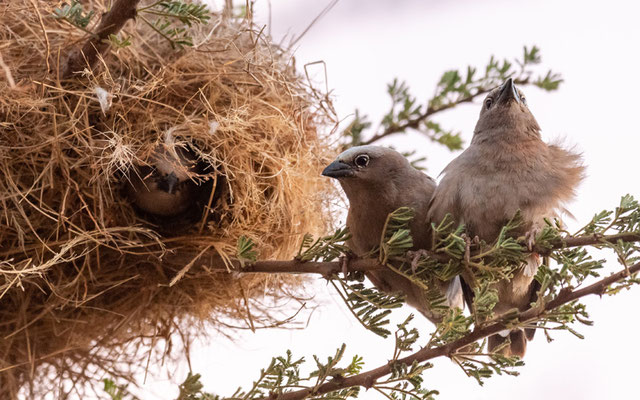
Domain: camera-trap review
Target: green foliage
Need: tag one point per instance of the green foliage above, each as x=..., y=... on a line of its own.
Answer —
x=452, y=253
x=485, y=298
x=74, y=14
x=483, y=367
x=283, y=374
x=326, y=248
x=117, y=392
x=170, y=19
x=624, y=219
x=416, y=162
x=191, y=389
x=446, y=137
x=485, y=263
x=245, y=251
x=370, y=306
x=406, y=338
x=174, y=18
x=454, y=87
x=187, y=13
x=454, y=325
x=396, y=238
x=354, y=130
x=405, y=382
x=330, y=369
x=120, y=43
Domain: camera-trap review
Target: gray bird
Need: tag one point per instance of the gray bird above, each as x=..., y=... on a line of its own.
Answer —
x=507, y=167
x=378, y=181
x=164, y=188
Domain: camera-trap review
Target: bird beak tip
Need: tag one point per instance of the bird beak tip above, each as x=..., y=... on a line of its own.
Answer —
x=337, y=170
x=172, y=182
x=509, y=91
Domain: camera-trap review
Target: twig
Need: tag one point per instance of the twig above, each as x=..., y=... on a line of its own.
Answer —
x=426, y=354
x=327, y=269
x=44, y=32
x=586, y=241
x=415, y=122
x=322, y=13
x=111, y=23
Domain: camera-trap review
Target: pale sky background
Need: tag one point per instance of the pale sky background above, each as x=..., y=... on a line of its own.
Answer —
x=365, y=44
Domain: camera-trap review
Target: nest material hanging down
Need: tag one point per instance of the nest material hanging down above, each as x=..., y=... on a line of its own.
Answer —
x=87, y=286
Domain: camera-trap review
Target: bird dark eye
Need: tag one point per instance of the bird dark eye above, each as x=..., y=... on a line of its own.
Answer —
x=488, y=102
x=361, y=161
x=523, y=99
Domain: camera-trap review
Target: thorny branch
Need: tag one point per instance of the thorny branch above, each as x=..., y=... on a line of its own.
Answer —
x=214, y=262
x=367, y=379
x=110, y=24
x=415, y=122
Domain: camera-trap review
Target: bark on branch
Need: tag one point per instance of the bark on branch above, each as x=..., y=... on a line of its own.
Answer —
x=214, y=262
x=97, y=45
x=367, y=379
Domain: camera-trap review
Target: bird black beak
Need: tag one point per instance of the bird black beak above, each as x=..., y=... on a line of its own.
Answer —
x=169, y=183
x=338, y=169
x=508, y=92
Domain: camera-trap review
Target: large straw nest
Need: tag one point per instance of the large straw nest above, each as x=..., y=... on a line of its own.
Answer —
x=84, y=291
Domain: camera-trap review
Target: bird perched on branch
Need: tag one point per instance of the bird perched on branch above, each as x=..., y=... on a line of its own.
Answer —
x=165, y=187
x=506, y=168
x=378, y=181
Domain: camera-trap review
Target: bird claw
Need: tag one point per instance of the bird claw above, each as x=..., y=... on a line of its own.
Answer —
x=415, y=258
x=467, y=248
x=530, y=237
x=344, y=264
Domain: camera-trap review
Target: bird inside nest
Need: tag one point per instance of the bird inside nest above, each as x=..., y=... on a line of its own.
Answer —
x=173, y=187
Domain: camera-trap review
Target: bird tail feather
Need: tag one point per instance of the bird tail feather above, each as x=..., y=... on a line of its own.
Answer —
x=514, y=344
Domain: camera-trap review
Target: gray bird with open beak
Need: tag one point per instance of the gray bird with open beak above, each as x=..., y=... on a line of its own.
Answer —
x=378, y=181
x=506, y=168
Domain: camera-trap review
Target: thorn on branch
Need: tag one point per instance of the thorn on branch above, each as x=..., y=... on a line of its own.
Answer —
x=369, y=381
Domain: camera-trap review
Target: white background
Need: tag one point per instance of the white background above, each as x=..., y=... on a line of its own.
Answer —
x=365, y=44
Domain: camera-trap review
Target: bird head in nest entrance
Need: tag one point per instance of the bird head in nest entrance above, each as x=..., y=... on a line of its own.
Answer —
x=173, y=189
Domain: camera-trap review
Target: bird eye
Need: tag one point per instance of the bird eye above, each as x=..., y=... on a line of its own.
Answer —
x=523, y=99
x=488, y=102
x=361, y=161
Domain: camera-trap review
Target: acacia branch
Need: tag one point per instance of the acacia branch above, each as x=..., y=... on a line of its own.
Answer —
x=98, y=44
x=367, y=379
x=212, y=260
x=414, y=123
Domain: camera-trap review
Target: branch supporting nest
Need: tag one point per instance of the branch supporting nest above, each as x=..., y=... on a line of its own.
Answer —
x=214, y=262
x=97, y=45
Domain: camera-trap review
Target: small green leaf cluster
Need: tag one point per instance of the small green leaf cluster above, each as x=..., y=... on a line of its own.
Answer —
x=369, y=305
x=455, y=87
x=170, y=19
x=246, y=251
x=325, y=248
x=173, y=20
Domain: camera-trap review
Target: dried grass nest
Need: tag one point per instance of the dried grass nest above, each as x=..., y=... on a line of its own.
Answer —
x=84, y=278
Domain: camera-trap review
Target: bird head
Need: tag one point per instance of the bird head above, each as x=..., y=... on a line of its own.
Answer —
x=367, y=167
x=505, y=112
